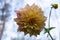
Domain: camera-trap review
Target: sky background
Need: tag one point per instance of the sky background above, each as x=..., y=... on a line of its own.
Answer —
x=10, y=32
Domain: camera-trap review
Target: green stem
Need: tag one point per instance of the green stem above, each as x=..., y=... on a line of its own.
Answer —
x=50, y=35
x=49, y=17
x=49, y=23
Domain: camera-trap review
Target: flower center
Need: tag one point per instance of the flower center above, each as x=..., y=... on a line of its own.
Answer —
x=31, y=21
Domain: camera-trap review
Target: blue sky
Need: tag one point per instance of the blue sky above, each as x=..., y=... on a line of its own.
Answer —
x=11, y=27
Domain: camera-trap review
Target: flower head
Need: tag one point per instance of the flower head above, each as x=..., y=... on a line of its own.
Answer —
x=55, y=6
x=30, y=19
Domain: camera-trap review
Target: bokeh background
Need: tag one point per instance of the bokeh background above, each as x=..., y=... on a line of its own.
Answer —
x=10, y=30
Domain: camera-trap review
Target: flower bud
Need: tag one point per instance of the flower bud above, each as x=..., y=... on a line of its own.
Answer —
x=55, y=6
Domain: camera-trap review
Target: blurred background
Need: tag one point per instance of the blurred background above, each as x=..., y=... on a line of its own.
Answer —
x=8, y=27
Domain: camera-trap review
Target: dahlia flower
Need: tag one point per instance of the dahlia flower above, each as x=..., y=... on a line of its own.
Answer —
x=30, y=19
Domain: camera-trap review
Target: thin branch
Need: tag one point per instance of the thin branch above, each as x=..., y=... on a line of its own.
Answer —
x=3, y=25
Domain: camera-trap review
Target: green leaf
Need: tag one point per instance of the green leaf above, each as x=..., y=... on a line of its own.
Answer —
x=48, y=29
x=51, y=28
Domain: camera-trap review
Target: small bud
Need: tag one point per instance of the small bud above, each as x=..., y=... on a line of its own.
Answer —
x=55, y=6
